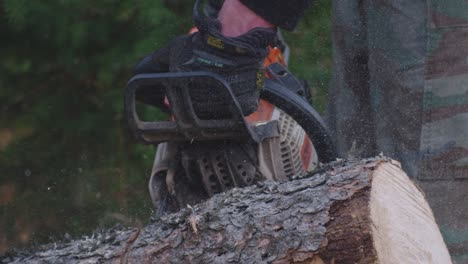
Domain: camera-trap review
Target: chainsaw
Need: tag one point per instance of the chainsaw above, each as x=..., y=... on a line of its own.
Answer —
x=200, y=153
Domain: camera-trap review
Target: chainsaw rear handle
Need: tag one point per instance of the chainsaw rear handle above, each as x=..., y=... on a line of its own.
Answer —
x=187, y=126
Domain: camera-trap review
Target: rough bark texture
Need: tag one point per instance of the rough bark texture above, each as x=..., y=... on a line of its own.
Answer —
x=320, y=219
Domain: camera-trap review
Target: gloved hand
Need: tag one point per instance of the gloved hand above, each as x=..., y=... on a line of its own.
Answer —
x=238, y=59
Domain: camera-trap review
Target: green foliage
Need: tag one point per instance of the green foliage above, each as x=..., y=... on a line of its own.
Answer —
x=311, y=54
x=67, y=162
x=66, y=153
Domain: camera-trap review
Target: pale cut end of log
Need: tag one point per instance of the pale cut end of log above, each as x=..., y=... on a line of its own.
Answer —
x=403, y=226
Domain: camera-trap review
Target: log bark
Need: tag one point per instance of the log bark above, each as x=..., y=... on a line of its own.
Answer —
x=359, y=212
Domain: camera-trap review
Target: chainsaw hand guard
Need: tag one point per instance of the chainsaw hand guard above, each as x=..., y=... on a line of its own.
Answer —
x=188, y=123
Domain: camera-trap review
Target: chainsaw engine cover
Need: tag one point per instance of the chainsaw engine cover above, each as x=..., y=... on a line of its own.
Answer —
x=222, y=165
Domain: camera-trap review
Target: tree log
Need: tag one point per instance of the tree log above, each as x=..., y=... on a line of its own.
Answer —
x=351, y=212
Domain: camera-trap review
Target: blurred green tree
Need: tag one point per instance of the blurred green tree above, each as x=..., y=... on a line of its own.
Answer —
x=67, y=163
x=65, y=154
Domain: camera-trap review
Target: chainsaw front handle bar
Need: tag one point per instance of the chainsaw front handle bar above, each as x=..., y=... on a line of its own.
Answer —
x=187, y=126
x=305, y=115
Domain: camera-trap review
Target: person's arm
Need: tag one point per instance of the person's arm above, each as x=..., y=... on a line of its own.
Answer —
x=237, y=19
x=282, y=13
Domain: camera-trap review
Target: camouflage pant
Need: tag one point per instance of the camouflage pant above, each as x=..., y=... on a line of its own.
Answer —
x=400, y=87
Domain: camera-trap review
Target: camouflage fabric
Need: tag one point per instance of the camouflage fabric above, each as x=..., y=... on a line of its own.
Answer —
x=444, y=139
x=444, y=133
x=400, y=87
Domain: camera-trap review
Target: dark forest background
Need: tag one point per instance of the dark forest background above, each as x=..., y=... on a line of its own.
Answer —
x=68, y=165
